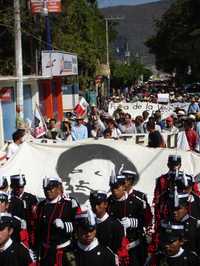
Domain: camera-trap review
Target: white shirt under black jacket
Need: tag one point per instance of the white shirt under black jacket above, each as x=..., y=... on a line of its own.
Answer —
x=109, y=232
x=14, y=254
x=94, y=254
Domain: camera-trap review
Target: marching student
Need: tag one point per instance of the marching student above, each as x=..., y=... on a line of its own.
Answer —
x=54, y=227
x=109, y=231
x=87, y=250
x=171, y=251
x=11, y=252
x=17, y=184
x=130, y=212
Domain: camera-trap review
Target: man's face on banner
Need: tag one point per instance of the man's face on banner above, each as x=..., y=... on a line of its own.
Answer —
x=85, y=168
x=89, y=176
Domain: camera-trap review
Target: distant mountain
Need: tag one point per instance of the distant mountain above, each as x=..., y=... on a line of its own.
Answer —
x=136, y=28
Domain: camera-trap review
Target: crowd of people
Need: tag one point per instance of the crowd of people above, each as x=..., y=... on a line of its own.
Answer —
x=119, y=227
x=100, y=124
x=148, y=92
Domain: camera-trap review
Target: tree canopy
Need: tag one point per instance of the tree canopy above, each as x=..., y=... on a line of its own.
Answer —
x=176, y=44
x=128, y=74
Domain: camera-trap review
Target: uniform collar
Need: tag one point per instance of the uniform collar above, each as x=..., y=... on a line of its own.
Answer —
x=101, y=220
x=89, y=247
x=21, y=195
x=55, y=200
x=6, y=246
x=130, y=191
x=185, y=218
x=181, y=250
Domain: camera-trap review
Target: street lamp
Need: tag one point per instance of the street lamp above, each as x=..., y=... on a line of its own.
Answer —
x=47, y=24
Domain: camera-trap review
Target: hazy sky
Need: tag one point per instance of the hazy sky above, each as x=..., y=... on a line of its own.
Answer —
x=103, y=3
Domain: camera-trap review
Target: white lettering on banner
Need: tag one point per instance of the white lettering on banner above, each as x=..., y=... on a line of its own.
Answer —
x=137, y=108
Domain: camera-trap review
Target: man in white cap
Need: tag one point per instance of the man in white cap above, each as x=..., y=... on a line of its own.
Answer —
x=11, y=252
x=109, y=231
x=88, y=251
x=17, y=184
x=55, y=216
x=130, y=181
x=130, y=212
x=20, y=233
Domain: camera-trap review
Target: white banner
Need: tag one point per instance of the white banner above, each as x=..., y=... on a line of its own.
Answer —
x=87, y=165
x=55, y=63
x=137, y=108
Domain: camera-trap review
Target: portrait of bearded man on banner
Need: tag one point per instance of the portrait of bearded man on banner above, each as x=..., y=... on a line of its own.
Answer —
x=88, y=167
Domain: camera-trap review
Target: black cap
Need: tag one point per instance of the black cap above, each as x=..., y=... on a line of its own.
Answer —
x=170, y=232
x=174, y=159
x=6, y=219
x=18, y=180
x=3, y=182
x=129, y=174
x=96, y=197
x=51, y=182
x=86, y=220
x=183, y=180
x=116, y=181
x=3, y=196
x=178, y=200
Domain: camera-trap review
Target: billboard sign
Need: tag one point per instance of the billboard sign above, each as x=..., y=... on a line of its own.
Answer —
x=38, y=6
x=55, y=63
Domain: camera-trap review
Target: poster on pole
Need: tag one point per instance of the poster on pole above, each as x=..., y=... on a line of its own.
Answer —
x=163, y=97
x=53, y=6
x=56, y=63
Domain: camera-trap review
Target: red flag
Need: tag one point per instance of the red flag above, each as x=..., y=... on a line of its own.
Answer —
x=81, y=108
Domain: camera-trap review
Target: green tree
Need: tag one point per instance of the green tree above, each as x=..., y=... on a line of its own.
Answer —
x=176, y=42
x=126, y=75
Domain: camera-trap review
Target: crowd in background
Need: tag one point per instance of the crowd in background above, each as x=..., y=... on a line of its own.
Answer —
x=98, y=123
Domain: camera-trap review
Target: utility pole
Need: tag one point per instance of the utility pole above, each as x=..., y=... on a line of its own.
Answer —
x=47, y=25
x=107, y=19
x=18, y=62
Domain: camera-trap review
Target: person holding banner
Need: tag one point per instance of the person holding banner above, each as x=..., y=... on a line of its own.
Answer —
x=18, y=139
x=170, y=128
x=111, y=125
x=128, y=126
x=190, y=133
x=155, y=139
x=79, y=131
